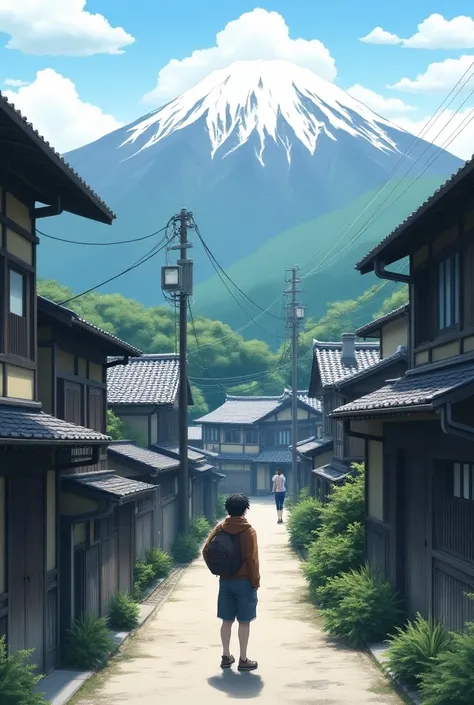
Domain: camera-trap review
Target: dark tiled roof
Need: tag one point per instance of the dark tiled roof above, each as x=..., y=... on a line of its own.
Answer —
x=205, y=452
x=51, y=308
x=149, y=379
x=383, y=364
x=95, y=206
x=249, y=410
x=246, y=457
x=415, y=389
x=328, y=358
x=150, y=460
x=274, y=455
x=195, y=433
x=30, y=425
x=374, y=326
x=172, y=450
x=366, y=263
x=109, y=483
x=201, y=467
x=313, y=446
x=335, y=471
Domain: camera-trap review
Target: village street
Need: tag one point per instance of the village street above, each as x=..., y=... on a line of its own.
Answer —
x=175, y=658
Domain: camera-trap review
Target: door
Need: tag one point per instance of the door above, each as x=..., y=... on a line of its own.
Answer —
x=236, y=481
x=414, y=522
x=26, y=578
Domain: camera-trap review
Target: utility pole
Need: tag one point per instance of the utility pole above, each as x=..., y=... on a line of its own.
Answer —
x=178, y=280
x=295, y=314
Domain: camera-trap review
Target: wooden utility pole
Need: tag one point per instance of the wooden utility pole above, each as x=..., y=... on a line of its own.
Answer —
x=177, y=281
x=183, y=490
x=295, y=314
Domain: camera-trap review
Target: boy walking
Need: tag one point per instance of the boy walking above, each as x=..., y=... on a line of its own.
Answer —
x=231, y=552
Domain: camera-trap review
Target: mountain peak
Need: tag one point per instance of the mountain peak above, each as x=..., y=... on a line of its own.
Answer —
x=264, y=100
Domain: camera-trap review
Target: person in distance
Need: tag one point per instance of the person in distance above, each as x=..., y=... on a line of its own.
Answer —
x=231, y=553
x=279, y=488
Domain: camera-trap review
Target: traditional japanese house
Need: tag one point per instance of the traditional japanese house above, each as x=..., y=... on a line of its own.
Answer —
x=252, y=437
x=35, y=447
x=99, y=510
x=417, y=429
x=144, y=394
x=334, y=362
x=195, y=436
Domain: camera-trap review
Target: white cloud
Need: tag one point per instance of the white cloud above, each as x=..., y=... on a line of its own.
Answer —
x=386, y=107
x=435, y=32
x=258, y=34
x=54, y=107
x=14, y=82
x=59, y=28
x=439, y=76
x=380, y=36
x=457, y=136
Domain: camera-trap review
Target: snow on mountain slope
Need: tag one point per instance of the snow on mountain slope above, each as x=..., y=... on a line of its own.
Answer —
x=275, y=99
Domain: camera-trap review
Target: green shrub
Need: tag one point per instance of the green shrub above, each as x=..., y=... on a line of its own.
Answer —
x=346, y=504
x=450, y=681
x=290, y=503
x=200, y=528
x=124, y=612
x=88, y=642
x=303, y=523
x=329, y=556
x=185, y=548
x=160, y=561
x=364, y=608
x=412, y=649
x=143, y=576
x=18, y=679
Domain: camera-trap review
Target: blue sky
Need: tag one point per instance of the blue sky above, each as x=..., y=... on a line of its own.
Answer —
x=95, y=71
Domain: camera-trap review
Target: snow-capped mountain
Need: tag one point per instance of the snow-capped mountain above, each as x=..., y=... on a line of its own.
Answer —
x=273, y=101
x=254, y=150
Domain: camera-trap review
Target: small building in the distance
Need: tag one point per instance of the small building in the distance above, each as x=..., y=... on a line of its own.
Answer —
x=252, y=437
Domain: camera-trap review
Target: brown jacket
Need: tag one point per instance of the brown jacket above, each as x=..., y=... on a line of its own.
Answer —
x=248, y=545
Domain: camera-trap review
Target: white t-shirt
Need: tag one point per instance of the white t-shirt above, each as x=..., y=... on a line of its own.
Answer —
x=279, y=483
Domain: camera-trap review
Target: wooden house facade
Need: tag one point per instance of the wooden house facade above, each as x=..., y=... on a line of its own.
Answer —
x=98, y=510
x=35, y=447
x=252, y=437
x=417, y=429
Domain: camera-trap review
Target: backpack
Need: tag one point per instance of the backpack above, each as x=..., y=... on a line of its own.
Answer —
x=224, y=554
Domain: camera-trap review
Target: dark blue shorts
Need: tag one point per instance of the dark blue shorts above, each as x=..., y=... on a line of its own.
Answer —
x=280, y=499
x=237, y=601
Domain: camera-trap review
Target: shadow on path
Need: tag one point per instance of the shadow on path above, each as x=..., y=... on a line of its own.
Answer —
x=237, y=685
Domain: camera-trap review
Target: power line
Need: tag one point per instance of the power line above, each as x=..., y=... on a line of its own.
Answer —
x=221, y=272
x=101, y=244
x=404, y=156
x=151, y=253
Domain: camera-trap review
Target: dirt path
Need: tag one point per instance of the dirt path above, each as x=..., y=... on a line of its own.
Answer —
x=175, y=658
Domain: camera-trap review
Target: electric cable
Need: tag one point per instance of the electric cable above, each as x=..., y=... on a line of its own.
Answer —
x=401, y=159
x=151, y=253
x=216, y=264
x=100, y=244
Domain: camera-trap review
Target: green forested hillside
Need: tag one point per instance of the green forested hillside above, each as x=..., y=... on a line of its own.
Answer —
x=220, y=360
x=325, y=248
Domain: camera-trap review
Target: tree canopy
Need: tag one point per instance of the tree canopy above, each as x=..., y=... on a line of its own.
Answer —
x=221, y=361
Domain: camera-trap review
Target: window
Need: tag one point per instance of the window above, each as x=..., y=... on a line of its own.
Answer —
x=17, y=293
x=213, y=434
x=232, y=435
x=251, y=436
x=463, y=481
x=283, y=438
x=339, y=449
x=448, y=292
